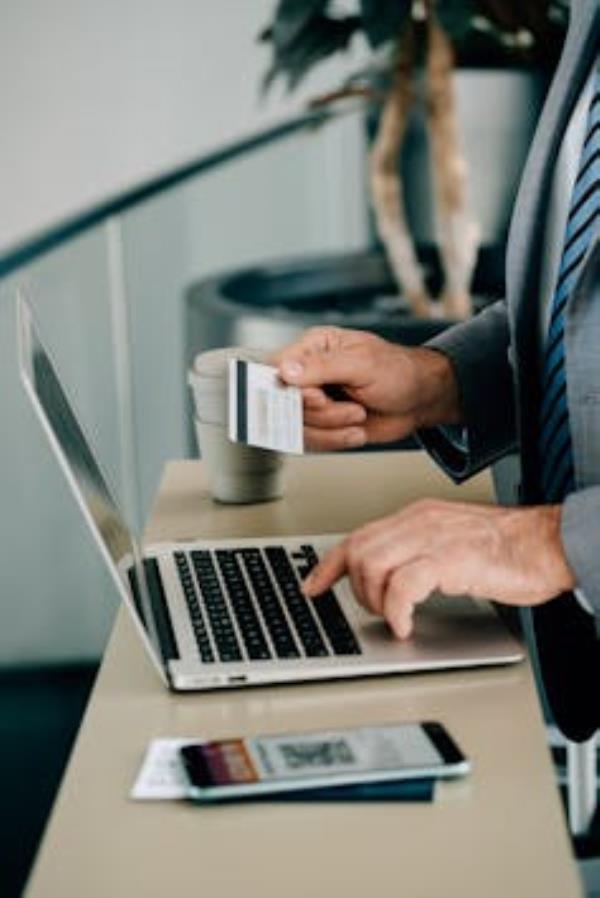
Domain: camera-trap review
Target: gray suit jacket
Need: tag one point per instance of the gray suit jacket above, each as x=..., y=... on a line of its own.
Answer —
x=496, y=355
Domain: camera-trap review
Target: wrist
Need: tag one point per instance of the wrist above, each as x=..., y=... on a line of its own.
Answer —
x=438, y=389
x=537, y=549
x=559, y=569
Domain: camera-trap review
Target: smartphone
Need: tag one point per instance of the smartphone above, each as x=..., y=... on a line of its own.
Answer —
x=286, y=763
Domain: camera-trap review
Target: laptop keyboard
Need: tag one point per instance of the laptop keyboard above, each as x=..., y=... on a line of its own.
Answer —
x=247, y=603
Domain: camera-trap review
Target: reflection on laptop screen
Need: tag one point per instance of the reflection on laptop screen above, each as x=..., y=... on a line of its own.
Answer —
x=78, y=455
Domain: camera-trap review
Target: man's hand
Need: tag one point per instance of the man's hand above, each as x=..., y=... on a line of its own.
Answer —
x=388, y=391
x=512, y=555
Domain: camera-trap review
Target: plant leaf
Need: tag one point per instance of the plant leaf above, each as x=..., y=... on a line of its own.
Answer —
x=321, y=37
x=292, y=17
x=383, y=20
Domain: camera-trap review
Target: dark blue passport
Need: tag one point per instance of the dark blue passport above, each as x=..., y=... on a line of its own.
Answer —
x=401, y=790
x=418, y=790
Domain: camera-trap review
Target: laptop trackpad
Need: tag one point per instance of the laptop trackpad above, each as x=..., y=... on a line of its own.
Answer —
x=449, y=630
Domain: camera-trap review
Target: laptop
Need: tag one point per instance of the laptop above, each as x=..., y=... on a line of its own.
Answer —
x=230, y=613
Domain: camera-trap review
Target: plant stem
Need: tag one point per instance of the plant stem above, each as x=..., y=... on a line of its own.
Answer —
x=386, y=186
x=458, y=233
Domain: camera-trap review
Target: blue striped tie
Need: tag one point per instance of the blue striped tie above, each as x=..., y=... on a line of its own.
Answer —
x=556, y=454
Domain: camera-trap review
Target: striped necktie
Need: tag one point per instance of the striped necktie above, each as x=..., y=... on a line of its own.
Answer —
x=556, y=454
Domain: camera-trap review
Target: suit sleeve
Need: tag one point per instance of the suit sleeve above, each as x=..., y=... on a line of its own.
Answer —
x=479, y=353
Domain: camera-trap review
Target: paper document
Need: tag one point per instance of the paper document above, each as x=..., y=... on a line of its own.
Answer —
x=162, y=775
x=264, y=412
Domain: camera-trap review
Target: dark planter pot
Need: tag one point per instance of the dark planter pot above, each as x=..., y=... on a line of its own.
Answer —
x=268, y=305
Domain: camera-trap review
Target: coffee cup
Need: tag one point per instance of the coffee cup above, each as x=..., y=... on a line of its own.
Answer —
x=237, y=473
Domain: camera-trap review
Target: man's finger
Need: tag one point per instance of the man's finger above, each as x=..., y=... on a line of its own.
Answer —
x=329, y=570
x=317, y=439
x=388, y=428
x=408, y=586
x=335, y=414
x=313, y=398
x=375, y=583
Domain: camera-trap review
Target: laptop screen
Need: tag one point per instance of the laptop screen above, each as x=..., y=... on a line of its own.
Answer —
x=85, y=477
x=78, y=456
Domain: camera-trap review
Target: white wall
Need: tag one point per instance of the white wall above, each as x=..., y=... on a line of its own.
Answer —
x=96, y=96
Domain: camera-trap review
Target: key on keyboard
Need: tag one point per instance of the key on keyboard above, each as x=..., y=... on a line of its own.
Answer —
x=333, y=619
x=226, y=641
x=269, y=604
x=296, y=603
x=243, y=607
x=196, y=616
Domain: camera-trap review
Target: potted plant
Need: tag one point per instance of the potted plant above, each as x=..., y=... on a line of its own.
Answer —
x=411, y=39
x=493, y=59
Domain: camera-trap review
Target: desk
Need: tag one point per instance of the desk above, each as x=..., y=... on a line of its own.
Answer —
x=500, y=832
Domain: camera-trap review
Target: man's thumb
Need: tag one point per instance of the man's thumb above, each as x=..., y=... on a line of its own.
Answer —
x=293, y=372
x=319, y=369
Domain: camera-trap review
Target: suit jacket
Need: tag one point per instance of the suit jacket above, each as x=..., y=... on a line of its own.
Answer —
x=496, y=356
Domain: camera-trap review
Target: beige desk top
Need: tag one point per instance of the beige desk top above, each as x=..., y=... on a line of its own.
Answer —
x=497, y=834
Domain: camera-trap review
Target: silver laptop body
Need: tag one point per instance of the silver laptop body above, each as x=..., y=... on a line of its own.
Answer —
x=230, y=613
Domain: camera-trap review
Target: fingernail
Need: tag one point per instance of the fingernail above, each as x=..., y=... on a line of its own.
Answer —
x=292, y=370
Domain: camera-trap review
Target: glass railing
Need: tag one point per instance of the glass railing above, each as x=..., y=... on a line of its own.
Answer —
x=110, y=292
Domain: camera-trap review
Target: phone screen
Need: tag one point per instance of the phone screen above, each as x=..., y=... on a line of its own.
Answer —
x=342, y=756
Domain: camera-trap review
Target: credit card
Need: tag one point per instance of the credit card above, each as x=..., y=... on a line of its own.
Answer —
x=263, y=412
